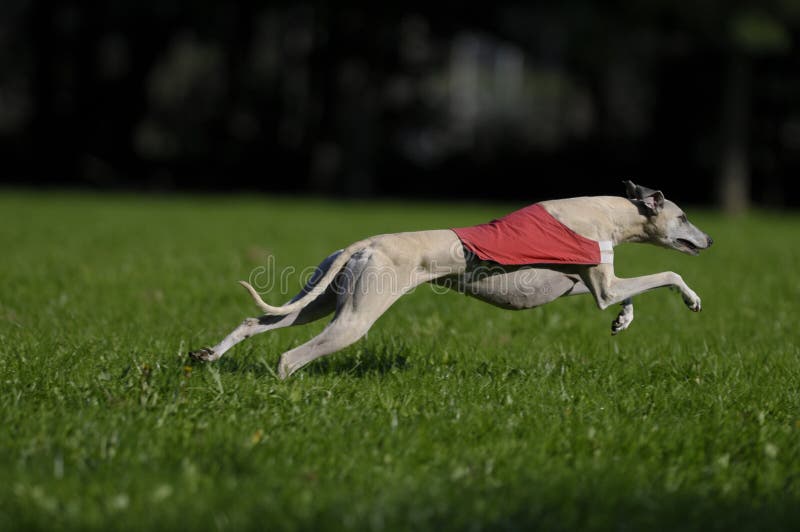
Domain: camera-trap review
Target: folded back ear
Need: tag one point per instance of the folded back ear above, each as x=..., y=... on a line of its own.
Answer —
x=654, y=202
x=651, y=200
x=630, y=189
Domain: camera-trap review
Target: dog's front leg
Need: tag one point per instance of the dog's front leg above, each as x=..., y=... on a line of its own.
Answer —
x=609, y=289
x=623, y=319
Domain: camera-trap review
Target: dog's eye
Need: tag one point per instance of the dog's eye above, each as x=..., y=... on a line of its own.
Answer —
x=682, y=218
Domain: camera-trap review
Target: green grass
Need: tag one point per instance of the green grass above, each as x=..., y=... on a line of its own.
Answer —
x=450, y=414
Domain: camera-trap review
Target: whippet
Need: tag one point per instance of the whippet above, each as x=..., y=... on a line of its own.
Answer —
x=359, y=283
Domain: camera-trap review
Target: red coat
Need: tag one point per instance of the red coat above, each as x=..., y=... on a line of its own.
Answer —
x=532, y=236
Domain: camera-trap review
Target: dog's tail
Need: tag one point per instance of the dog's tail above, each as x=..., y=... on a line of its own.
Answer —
x=315, y=291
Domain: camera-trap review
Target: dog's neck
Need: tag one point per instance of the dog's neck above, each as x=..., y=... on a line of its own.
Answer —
x=601, y=218
x=628, y=223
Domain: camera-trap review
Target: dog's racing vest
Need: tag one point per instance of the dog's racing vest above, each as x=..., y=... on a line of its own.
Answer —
x=532, y=235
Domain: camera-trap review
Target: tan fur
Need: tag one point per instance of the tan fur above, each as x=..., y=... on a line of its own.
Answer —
x=373, y=273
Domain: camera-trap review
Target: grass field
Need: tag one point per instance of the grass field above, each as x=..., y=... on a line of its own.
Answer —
x=451, y=414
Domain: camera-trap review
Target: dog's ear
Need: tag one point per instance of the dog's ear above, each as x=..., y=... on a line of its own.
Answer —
x=630, y=189
x=654, y=202
x=651, y=200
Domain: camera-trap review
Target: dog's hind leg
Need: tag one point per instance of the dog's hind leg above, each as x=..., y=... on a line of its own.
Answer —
x=342, y=331
x=316, y=309
x=372, y=283
x=319, y=308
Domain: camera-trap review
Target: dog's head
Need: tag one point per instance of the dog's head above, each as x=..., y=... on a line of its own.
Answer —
x=667, y=224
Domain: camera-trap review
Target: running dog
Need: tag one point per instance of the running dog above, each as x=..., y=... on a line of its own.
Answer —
x=526, y=259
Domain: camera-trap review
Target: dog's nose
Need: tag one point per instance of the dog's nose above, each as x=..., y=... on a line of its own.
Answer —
x=710, y=241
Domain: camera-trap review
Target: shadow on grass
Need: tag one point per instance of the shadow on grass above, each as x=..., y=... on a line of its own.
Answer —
x=366, y=362
x=361, y=363
x=259, y=368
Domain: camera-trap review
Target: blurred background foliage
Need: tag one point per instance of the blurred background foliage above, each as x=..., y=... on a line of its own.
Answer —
x=500, y=101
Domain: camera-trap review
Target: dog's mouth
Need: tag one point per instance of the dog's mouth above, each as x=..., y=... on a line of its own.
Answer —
x=686, y=246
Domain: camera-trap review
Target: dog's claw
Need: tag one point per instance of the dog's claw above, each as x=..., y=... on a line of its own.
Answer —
x=205, y=354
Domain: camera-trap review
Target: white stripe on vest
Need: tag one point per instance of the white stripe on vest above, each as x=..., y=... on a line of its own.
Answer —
x=606, y=252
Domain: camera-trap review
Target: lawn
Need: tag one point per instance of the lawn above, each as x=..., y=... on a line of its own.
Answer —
x=451, y=414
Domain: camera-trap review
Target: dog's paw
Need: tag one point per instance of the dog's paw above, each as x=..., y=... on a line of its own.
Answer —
x=693, y=301
x=617, y=326
x=205, y=354
x=284, y=370
x=623, y=321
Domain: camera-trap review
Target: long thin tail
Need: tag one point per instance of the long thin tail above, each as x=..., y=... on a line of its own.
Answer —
x=317, y=290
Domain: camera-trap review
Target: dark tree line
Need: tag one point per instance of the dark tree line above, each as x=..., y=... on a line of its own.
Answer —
x=500, y=101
